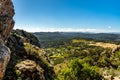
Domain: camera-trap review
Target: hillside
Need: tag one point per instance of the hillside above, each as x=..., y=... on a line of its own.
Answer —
x=51, y=37
x=74, y=58
x=99, y=54
x=55, y=55
x=28, y=60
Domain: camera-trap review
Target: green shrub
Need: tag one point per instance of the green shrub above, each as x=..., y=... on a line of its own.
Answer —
x=79, y=71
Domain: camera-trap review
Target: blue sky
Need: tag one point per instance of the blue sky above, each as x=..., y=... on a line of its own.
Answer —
x=67, y=15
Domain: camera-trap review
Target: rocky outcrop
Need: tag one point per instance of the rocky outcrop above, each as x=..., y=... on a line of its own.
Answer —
x=30, y=69
x=4, y=58
x=27, y=37
x=6, y=26
x=6, y=18
x=28, y=60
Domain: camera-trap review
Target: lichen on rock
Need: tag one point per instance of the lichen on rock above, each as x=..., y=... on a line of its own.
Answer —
x=6, y=18
x=6, y=26
x=4, y=58
x=30, y=69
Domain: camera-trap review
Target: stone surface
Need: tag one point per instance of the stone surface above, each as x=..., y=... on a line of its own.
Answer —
x=4, y=58
x=6, y=18
x=28, y=61
x=6, y=26
x=27, y=37
x=30, y=67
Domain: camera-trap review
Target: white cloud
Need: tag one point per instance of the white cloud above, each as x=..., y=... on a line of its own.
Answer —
x=45, y=29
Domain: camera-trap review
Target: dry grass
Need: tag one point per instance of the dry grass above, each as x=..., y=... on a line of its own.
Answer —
x=104, y=45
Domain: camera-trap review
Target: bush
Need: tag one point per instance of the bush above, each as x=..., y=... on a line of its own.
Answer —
x=79, y=71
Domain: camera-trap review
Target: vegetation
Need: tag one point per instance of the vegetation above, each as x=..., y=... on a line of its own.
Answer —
x=28, y=61
x=79, y=71
x=63, y=56
x=91, y=56
x=53, y=39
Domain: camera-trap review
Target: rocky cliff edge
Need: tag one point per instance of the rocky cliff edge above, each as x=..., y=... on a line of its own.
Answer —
x=6, y=26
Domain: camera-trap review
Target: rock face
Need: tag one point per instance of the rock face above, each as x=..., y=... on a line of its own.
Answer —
x=31, y=70
x=27, y=37
x=6, y=18
x=6, y=26
x=28, y=60
x=4, y=58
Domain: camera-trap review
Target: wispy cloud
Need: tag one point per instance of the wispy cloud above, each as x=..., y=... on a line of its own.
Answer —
x=44, y=29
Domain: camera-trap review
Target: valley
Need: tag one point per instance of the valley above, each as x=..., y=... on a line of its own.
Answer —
x=63, y=56
x=96, y=54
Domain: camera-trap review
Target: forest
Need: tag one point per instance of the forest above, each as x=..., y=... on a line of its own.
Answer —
x=82, y=56
x=47, y=39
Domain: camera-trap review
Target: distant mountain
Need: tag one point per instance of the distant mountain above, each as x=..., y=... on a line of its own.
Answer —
x=51, y=37
x=31, y=54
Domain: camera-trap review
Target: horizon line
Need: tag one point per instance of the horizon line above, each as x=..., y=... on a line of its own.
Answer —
x=69, y=31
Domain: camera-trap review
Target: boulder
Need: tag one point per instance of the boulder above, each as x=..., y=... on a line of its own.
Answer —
x=30, y=70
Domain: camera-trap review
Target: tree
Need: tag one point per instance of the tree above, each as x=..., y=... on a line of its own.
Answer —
x=79, y=71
